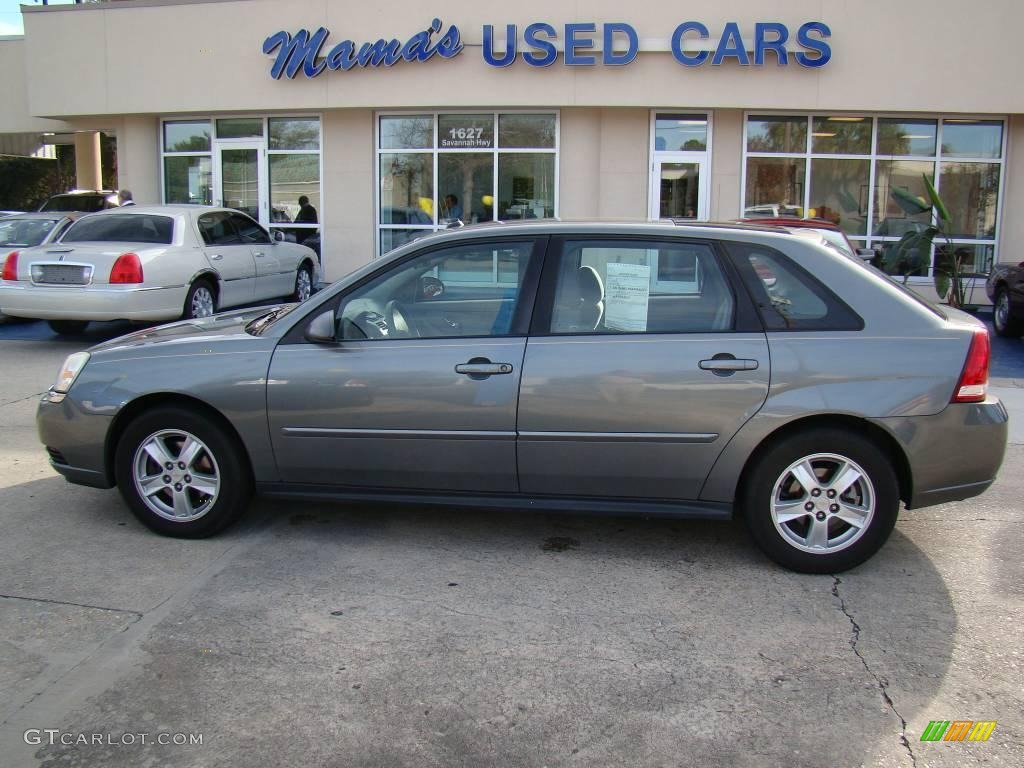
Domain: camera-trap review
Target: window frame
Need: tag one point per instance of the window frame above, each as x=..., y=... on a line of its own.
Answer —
x=703, y=157
x=436, y=150
x=938, y=159
x=745, y=317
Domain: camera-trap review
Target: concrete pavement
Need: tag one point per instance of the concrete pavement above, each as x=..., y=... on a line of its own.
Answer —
x=359, y=635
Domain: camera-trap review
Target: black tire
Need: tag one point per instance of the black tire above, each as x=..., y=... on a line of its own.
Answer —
x=68, y=327
x=303, y=272
x=192, y=306
x=782, y=542
x=1005, y=324
x=221, y=457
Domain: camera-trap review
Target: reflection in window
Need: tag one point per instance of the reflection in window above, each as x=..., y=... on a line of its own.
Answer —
x=526, y=186
x=901, y=199
x=841, y=136
x=526, y=131
x=465, y=187
x=292, y=177
x=970, y=192
x=392, y=238
x=906, y=137
x=465, y=131
x=776, y=134
x=775, y=186
x=294, y=133
x=972, y=138
x=406, y=188
x=407, y=132
x=187, y=136
x=188, y=179
x=679, y=190
x=680, y=133
x=974, y=259
x=839, y=193
x=240, y=128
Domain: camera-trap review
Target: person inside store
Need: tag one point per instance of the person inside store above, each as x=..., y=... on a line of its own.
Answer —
x=306, y=214
x=451, y=209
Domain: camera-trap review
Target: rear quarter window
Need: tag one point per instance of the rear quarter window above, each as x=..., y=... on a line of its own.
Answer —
x=787, y=297
x=122, y=228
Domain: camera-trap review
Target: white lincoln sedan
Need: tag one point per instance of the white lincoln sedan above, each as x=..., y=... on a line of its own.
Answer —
x=152, y=263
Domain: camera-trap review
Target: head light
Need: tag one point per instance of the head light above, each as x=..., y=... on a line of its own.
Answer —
x=69, y=371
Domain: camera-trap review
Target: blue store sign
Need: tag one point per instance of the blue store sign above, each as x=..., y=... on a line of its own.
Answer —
x=308, y=52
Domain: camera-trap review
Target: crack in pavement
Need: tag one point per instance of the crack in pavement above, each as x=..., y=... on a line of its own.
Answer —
x=23, y=399
x=883, y=686
x=138, y=614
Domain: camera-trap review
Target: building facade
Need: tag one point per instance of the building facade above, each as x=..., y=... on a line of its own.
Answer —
x=394, y=119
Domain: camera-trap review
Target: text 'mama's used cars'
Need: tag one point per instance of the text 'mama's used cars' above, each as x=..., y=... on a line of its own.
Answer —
x=663, y=370
x=153, y=263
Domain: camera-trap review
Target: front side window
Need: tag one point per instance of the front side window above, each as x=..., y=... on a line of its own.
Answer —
x=615, y=286
x=467, y=290
x=249, y=231
x=216, y=229
x=123, y=228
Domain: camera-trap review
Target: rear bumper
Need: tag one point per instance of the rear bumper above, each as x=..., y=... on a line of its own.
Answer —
x=91, y=302
x=953, y=455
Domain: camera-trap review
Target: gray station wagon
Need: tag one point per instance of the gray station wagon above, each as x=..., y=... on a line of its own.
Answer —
x=653, y=369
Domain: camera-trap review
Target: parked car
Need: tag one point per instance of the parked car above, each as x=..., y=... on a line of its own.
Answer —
x=152, y=263
x=1005, y=288
x=620, y=368
x=26, y=230
x=82, y=201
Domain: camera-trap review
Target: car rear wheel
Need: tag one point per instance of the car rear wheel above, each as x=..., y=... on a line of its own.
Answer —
x=821, y=501
x=303, y=283
x=68, y=327
x=201, y=300
x=180, y=474
x=1003, y=321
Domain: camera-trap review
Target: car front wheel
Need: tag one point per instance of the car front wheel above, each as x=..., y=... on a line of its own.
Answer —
x=180, y=474
x=303, y=283
x=1003, y=321
x=821, y=501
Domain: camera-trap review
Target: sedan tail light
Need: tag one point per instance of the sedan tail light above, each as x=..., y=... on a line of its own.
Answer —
x=973, y=384
x=11, y=266
x=127, y=269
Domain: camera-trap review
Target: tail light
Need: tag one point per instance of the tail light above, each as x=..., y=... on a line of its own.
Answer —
x=11, y=266
x=973, y=384
x=127, y=269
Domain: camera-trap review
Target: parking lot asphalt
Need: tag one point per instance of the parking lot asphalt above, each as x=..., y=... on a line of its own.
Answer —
x=369, y=635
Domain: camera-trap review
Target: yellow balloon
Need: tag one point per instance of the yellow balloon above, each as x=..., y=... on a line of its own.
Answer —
x=487, y=199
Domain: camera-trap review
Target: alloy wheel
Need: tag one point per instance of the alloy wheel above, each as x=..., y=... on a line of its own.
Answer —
x=303, y=285
x=176, y=475
x=202, y=302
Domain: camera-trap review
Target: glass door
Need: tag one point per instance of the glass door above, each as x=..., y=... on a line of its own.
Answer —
x=677, y=187
x=240, y=178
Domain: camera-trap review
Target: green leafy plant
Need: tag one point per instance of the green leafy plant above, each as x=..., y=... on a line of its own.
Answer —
x=912, y=252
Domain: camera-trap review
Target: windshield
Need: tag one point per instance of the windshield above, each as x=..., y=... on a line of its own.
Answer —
x=25, y=233
x=122, y=228
x=81, y=203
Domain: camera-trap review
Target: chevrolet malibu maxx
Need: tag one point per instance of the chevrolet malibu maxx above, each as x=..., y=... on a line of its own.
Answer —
x=653, y=369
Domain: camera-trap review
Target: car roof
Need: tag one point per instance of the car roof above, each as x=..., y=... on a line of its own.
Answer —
x=791, y=221
x=45, y=215
x=609, y=226
x=181, y=209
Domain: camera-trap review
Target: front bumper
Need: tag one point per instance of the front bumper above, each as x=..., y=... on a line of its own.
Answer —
x=76, y=441
x=91, y=302
x=953, y=455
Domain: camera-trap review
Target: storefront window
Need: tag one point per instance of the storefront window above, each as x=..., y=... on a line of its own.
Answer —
x=680, y=133
x=182, y=136
x=240, y=128
x=776, y=134
x=906, y=137
x=294, y=133
x=488, y=166
x=876, y=191
x=974, y=259
x=188, y=180
x=775, y=186
x=839, y=193
x=972, y=138
x=841, y=136
x=292, y=177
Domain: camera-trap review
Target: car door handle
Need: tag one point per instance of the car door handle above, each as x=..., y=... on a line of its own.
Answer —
x=728, y=365
x=216, y=256
x=258, y=253
x=481, y=368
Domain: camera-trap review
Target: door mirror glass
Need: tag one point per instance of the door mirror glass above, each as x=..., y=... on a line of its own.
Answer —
x=321, y=330
x=279, y=236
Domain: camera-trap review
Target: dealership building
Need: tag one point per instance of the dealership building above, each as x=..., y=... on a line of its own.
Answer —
x=396, y=118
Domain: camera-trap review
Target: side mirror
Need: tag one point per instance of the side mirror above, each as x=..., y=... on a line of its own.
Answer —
x=279, y=236
x=321, y=330
x=867, y=253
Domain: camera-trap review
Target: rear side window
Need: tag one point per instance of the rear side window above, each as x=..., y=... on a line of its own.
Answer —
x=789, y=298
x=122, y=228
x=637, y=286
